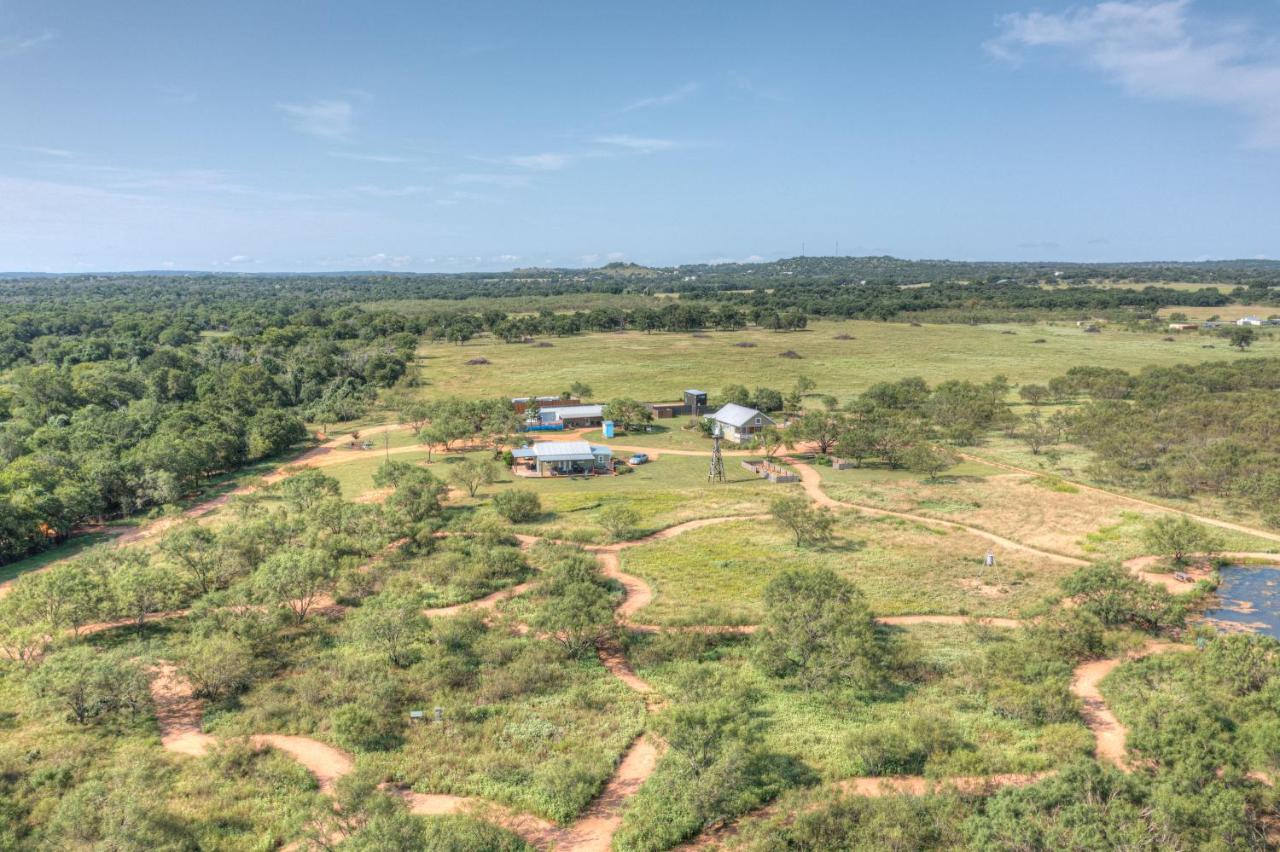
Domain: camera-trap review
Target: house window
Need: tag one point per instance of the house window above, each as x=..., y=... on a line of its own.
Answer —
x=757, y=421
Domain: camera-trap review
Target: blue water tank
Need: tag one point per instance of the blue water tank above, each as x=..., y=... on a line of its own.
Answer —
x=608, y=428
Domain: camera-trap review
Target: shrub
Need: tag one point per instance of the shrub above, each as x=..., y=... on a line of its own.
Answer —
x=517, y=505
x=359, y=728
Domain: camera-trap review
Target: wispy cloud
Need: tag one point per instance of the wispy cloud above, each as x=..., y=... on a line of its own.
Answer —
x=324, y=118
x=382, y=260
x=14, y=44
x=60, y=153
x=369, y=158
x=546, y=162
x=673, y=97
x=490, y=179
x=391, y=191
x=1157, y=50
x=640, y=144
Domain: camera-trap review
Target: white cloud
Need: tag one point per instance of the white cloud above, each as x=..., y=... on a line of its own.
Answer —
x=13, y=44
x=505, y=258
x=327, y=119
x=672, y=97
x=489, y=179
x=369, y=158
x=1157, y=50
x=239, y=258
x=60, y=153
x=384, y=260
x=639, y=144
x=391, y=191
x=541, y=162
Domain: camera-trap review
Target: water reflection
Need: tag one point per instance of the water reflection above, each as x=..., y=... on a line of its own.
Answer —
x=1248, y=599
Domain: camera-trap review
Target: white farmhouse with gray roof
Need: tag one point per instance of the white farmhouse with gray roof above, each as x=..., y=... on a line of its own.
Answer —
x=740, y=424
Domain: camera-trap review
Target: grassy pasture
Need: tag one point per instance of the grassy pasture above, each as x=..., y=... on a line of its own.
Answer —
x=1038, y=511
x=717, y=575
x=1227, y=313
x=665, y=492
x=657, y=367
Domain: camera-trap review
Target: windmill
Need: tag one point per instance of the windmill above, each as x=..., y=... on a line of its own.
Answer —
x=716, y=472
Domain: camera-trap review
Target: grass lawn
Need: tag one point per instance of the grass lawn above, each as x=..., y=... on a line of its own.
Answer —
x=665, y=492
x=356, y=477
x=72, y=547
x=658, y=367
x=663, y=435
x=717, y=574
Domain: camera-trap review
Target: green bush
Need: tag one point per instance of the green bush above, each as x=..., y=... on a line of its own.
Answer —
x=517, y=505
x=358, y=728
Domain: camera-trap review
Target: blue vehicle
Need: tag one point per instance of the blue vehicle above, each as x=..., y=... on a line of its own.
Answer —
x=638, y=458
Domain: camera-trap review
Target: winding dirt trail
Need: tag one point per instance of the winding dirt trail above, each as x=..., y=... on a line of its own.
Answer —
x=178, y=712
x=811, y=481
x=1109, y=734
x=178, y=715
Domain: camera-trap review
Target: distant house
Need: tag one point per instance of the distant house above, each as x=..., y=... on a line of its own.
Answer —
x=1183, y=326
x=740, y=424
x=564, y=458
x=1249, y=321
x=575, y=416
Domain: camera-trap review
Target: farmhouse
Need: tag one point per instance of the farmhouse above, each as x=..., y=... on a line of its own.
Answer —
x=1249, y=321
x=739, y=423
x=563, y=458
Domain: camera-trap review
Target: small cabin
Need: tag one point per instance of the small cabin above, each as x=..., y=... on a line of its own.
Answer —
x=740, y=424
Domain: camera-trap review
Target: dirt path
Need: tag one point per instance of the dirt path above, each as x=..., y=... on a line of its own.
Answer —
x=1138, y=501
x=1108, y=733
x=487, y=602
x=811, y=481
x=1139, y=565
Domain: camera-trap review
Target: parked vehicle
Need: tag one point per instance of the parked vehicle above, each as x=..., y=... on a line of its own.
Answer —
x=638, y=458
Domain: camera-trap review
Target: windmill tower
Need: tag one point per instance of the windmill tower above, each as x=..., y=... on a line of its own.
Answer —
x=716, y=472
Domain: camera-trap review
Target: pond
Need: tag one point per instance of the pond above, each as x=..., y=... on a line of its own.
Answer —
x=1248, y=599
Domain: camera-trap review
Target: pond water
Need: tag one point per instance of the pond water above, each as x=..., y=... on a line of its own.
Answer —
x=1248, y=599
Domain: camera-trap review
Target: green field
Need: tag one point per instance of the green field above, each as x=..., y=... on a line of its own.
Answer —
x=717, y=574
x=658, y=367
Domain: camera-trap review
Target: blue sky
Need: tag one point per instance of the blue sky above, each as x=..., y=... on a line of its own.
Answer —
x=314, y=135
